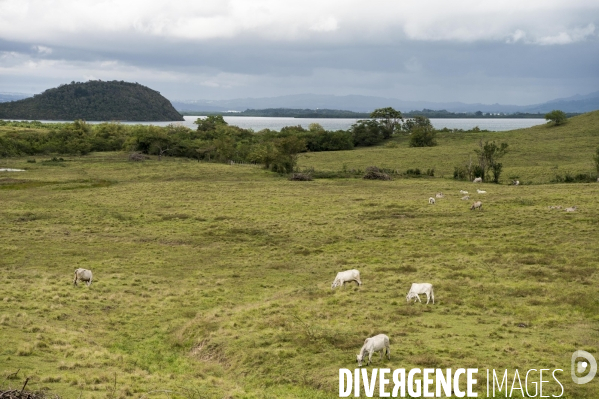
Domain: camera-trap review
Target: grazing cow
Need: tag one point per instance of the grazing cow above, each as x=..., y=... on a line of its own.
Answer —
x=516, y=182
x=421, y=288
x=477, y=205
x=431, y=201
x=478, y=180
x=439, y=195
x=555, y=207
x=466, y=197
x=345, y=277
x=378, y=343
x=463, y=192
x=83, y=275
x=481, y=191
x=571, y=209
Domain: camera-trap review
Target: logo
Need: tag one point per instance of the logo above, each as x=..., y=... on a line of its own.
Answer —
x=589, y=364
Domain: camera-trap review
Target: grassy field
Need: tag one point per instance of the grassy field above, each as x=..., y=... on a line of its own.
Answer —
x=536, y=155
x=213, y=281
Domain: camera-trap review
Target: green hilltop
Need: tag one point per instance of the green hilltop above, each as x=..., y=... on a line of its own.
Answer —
x=94, y=100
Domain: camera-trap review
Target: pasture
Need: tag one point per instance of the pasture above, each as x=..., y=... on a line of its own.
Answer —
x=214, y=281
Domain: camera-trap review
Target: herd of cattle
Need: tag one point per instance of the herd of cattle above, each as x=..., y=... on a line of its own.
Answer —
x=378, y=343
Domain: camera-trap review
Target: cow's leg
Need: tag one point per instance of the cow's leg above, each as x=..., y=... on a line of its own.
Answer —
x=359, y=282
x=428, y=297
x=370, y=357
x=418, y=296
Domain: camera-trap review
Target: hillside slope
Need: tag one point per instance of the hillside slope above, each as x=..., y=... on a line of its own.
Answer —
x=535, y=155
x=94, y=100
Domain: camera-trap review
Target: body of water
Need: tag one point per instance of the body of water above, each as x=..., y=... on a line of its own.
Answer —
x=258, y=123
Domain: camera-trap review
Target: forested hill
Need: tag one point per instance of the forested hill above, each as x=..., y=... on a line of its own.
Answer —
x=94, y=101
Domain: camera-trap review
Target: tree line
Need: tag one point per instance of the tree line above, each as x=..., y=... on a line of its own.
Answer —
x=213, y=140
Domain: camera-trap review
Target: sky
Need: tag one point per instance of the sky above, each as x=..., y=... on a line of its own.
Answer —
x=510, y=52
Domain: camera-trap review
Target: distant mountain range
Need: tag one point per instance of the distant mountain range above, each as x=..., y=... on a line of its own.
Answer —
x=575, y=104
x=355, y=103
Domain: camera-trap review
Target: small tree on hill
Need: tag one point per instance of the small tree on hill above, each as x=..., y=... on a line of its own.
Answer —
x=367, y=132
x=488, y=156
x=423, y=137
x=389, y=118
x=556, y=116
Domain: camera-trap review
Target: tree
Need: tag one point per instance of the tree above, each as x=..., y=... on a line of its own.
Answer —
x=556, y=116
x=367, y=132
x=389, y=119
x=210, y=123
x=415, y=122
x=423, y=137
x=488, y=155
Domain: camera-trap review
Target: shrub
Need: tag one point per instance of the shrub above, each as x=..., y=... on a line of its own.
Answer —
x=460, y=173
x=374, y=173
x=413, y=172
x=300, y=177
x=137, y=157
x=423, y=136
x=367, y=133
x=557, y=117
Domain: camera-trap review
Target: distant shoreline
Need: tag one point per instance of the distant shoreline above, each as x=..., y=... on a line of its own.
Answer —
x=340, y=114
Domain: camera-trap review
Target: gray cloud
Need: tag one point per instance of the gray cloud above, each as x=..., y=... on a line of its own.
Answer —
x=514, y=52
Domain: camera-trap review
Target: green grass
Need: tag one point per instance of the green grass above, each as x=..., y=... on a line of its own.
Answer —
x=213, y=280
x=535, y=155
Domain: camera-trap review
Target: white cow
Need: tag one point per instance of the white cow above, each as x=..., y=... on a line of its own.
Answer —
x=345, y=277
x=378, y=343
x=481, y=191
x=421, y=288
x=463, y=192
x=477, y=205
x=465, y=197
x=571, y=209
x=439, y=195
x=83, y=275
x=431, y=201
x=478, y=180
x=516, y=182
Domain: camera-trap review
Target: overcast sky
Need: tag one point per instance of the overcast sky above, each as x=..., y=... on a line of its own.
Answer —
x=509, y=52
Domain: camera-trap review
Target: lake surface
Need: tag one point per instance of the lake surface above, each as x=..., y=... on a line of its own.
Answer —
x=258, y=123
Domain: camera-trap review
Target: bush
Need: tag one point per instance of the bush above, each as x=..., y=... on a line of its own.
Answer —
x=137, y=157
x=374, y=173
x=423, y=137
x=300, y=177
x=367, y=133
x=460, y=173
x=557, y=117
x=578, y=178
x=413, y=172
